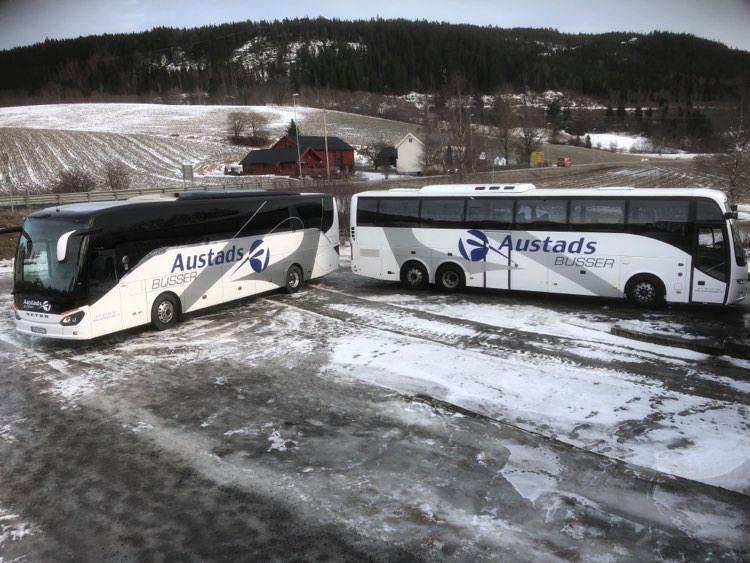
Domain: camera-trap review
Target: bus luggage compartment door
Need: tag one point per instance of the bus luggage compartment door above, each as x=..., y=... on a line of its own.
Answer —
x=497, y=262
x=133, y=303
x=529, y=270
x=366, y=251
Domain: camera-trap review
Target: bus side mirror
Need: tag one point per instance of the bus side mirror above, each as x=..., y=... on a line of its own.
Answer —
x=731, y=215
x=62, y=246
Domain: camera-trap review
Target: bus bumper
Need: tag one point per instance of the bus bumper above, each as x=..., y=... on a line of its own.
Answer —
x=49, y=326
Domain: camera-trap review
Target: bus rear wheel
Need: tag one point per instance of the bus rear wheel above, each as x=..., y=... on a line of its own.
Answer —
x=645, y=291
x=165, y=312
x=294, y=279
x=450, y=277
x=414, y=276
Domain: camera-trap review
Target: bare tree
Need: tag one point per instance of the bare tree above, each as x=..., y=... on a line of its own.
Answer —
x=733, y=165
x=531, y=129
x=435, y=143
x=258, y=124
x=504, y=119
x=116, y=175
x=459, y=117
x=73, y=180
x=237, y=121
x=737, y=158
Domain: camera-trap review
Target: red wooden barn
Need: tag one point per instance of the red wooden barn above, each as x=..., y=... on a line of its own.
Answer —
x=281, y=158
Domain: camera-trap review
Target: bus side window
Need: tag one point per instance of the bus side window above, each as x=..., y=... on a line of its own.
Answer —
x=597, y=214
x=548, y=213
x=442, y=213
x=399, y=212
x=274, y=216
x=367, y=211
x=661, y=219
x=102, y=274
x=310, y=212
x=708, y=210
x=489, y=213
x=327, y=213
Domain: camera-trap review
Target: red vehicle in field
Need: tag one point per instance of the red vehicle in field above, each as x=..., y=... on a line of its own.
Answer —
x=564, y=161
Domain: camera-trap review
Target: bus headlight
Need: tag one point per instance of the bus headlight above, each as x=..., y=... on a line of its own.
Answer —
x=73, y=319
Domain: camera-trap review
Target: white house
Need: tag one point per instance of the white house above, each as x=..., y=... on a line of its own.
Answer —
x=410, y=155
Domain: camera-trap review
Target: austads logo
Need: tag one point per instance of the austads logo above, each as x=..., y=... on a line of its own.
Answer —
x=476, y=246
x=257, y=255
x=36, y=304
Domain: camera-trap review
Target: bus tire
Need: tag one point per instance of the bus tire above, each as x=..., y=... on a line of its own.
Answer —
x=645, y=291
x=414, y=276
x=295, y=279
x=450, y=277
x=165, y=312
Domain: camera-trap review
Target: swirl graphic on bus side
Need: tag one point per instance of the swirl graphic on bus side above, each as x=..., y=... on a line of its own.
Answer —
x=478, y=240
x=259, y=256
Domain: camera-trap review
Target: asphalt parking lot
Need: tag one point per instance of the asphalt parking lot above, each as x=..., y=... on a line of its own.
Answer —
x=357, y=421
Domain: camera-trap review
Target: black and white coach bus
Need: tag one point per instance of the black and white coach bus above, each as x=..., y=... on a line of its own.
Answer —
x=650, y=245
x=90, y=269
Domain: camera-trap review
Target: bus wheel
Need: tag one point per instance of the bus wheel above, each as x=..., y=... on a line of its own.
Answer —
x=165, y=311
x=294, y=279
x=450, y=278
x=645, y=291
x=414, y=276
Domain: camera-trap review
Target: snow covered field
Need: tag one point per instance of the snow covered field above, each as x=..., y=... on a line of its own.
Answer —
x=197, y=122
x=474, y=426
x=153, y=140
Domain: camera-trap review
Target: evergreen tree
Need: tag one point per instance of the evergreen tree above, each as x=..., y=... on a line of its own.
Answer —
x=588, y=141
x=291, y=131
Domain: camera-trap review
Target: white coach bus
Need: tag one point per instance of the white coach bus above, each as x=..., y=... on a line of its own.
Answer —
x=86, y=270
x=649, y=245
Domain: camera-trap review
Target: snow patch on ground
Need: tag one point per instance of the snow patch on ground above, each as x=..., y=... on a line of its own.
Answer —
x=620, y=142
x=12, y=528
x=615, y=413
x=6, y=266
x=380, y=176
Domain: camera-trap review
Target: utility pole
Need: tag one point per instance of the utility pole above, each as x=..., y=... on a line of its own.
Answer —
x=8, y=181
x=325, y=133
x=296, y=131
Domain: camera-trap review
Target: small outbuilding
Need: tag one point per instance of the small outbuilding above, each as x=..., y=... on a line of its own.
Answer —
x=280, y=162
x=410, y=155
x=281, y=158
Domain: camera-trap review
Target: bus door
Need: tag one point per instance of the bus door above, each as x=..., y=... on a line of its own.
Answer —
x=133, y=302
x=104, y=292
x=710, y=264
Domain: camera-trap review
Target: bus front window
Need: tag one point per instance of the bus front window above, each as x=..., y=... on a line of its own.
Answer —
x=37, y=268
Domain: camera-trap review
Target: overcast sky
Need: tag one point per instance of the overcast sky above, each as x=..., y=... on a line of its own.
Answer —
x=23, y=22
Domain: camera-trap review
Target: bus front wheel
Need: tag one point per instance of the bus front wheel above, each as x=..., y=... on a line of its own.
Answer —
x=645, y=291
x=414, y=276
x=294, y=279
x=450, y=277
x=165, y=312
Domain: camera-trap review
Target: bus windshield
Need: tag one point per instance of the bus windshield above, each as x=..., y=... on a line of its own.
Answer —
x=37, y=268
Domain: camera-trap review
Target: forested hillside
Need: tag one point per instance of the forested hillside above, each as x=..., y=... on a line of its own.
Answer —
x=384, y=56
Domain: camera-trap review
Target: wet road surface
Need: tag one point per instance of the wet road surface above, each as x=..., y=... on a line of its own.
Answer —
x=356, y=421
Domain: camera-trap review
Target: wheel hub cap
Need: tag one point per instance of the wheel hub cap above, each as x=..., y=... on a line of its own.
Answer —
x=165, y=312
